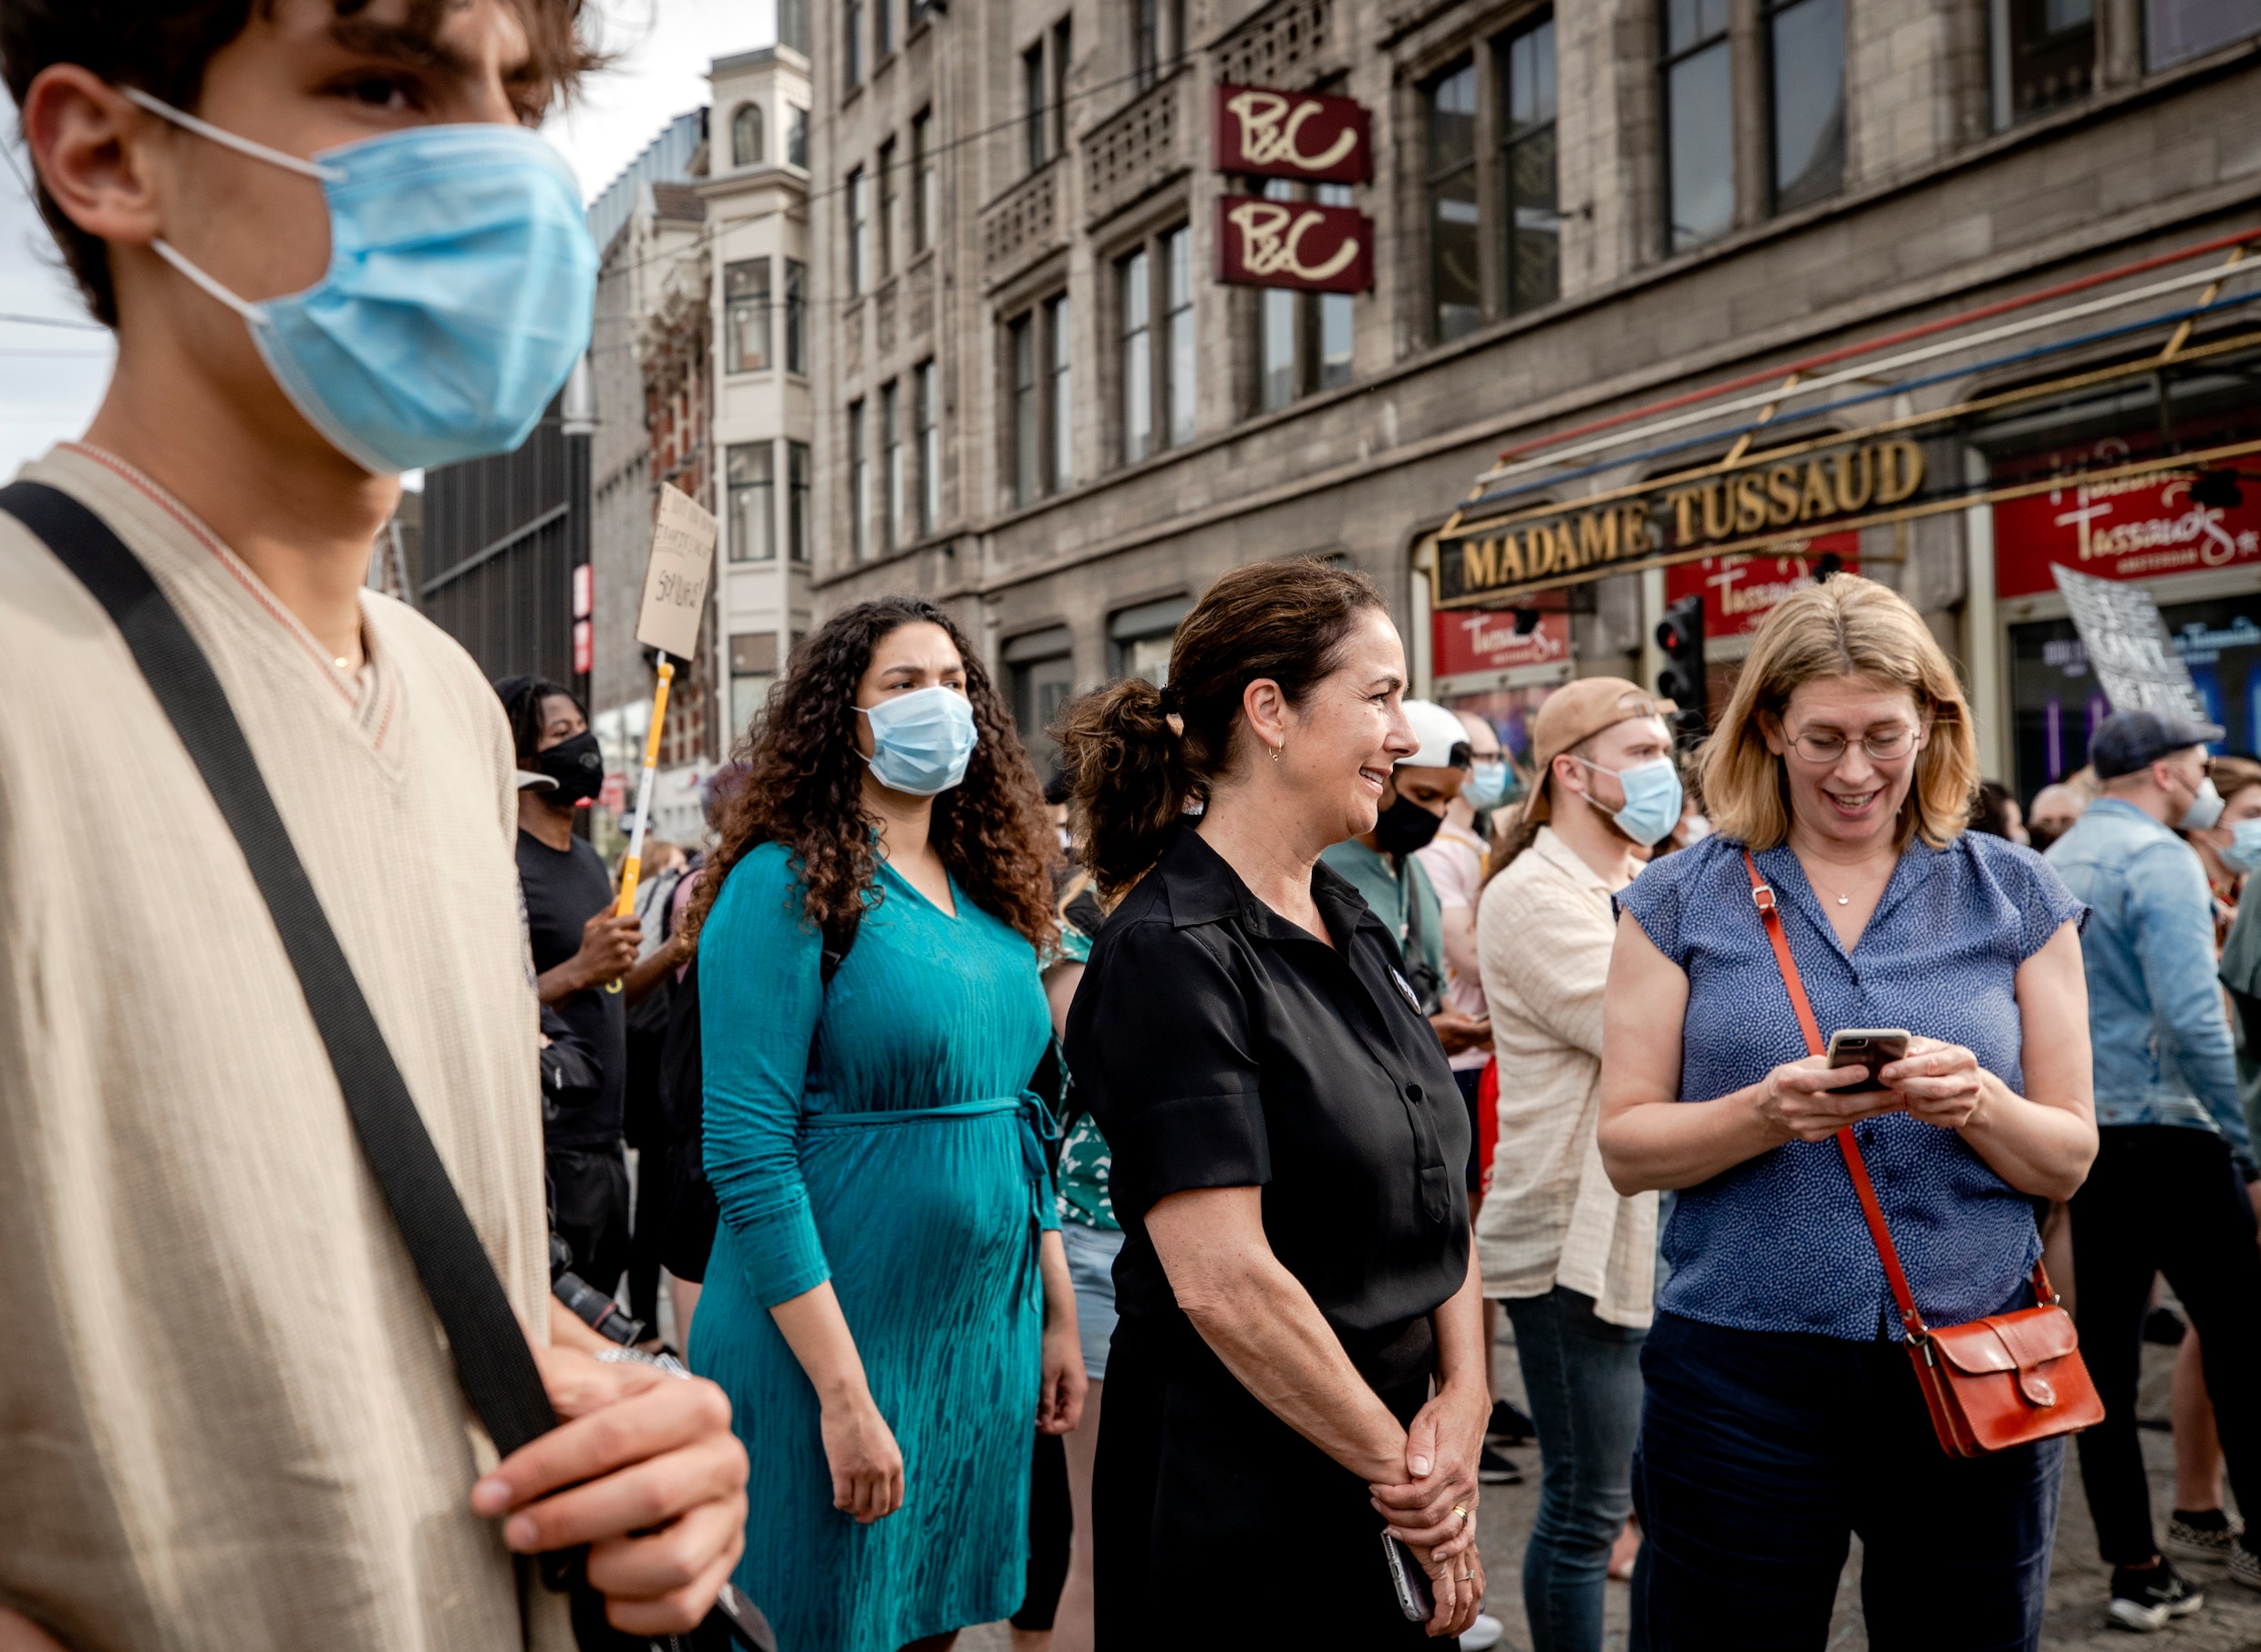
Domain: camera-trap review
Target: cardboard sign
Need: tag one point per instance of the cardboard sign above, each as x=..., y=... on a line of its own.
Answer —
x=2127, y=648
x=1485, y=639
x=1291, y=135
x=675, y=580
x=1740, y=591
x=2138, y=527
x=1294, y=244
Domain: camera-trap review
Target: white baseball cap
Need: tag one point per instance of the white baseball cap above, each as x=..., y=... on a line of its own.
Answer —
x=1438, y=730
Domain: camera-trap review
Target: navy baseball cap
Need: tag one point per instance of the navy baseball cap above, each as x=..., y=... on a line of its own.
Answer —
x=2130, y=740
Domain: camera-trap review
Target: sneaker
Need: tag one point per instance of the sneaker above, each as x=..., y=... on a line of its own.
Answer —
x=2143, y=1601
x=1495, y=1470
x=2244, y=1564
x=1509, y=1426
x=1482, y=1635
x=2203, y=1534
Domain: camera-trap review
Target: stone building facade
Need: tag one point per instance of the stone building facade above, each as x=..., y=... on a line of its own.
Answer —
x=1035, y=401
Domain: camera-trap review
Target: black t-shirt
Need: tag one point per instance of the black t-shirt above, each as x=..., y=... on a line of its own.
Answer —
x=1220, y=1045
x=563, y=892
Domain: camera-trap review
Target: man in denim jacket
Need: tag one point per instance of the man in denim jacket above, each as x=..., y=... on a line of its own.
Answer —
x=2168, y=1194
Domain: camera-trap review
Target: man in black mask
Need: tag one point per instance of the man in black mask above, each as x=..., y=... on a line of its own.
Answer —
x=1388, y=873
x=581, y=956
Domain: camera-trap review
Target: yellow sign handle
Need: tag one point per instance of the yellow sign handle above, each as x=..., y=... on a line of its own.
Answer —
x=633, y=867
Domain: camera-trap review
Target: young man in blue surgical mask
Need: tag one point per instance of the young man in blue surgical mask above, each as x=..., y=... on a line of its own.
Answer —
x=331, y=249
x=1573, y=1260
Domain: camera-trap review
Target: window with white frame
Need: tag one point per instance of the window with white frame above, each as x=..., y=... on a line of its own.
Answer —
x=746, y=136
x=749, y=480
x=859, y=231
x=891, y=462
x=922, y=181
x=887, y=193
x=746, y=316
x=797, y=501
x=859, y=484
x=796, y=316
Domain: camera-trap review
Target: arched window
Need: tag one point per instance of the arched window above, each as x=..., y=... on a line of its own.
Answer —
x=746, y=136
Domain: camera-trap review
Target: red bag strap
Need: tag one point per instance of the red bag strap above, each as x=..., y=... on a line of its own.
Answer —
x=1762, y=894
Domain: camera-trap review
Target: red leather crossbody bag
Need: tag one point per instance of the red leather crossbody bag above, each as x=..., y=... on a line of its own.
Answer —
x=1996, y=1382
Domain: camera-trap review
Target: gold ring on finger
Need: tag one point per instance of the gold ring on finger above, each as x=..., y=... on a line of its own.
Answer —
x=1462, y=1512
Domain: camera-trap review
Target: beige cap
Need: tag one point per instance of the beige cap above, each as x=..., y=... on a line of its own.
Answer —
x=1578, y=711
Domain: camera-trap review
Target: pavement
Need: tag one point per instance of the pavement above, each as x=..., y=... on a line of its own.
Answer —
x=2079, y=1582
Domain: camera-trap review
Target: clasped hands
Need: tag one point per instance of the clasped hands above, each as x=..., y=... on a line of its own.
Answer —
x=1440, y=1452
x=1942, y=1084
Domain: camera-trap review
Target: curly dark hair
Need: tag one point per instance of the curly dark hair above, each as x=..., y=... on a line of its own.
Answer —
x=803, y=787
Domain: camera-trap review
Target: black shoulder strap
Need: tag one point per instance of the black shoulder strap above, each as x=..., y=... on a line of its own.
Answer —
x=491, y=1358
x=840, y=940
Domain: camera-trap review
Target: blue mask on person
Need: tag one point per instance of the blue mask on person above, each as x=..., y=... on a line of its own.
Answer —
x=921, y=740
x=2242, y=852
x=460, y=292
x=1652, y=800
x=1487, y=783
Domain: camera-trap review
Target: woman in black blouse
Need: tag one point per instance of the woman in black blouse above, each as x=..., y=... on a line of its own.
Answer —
x=1287, y=1137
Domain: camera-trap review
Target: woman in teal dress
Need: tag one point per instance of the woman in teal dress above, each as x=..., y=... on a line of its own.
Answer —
x=887, y=1303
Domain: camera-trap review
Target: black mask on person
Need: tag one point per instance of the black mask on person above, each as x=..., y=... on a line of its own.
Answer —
x=577, y=765
x=1404, y=827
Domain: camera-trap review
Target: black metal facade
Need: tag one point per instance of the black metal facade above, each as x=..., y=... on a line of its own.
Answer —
x=501, y=536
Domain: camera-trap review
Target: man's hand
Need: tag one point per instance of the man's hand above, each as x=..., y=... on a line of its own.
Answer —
x=1457, y=1032
x=608, y=950
x=645, y=1471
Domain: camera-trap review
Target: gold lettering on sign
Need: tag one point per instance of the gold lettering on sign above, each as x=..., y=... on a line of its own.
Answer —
x=1901, y=471
x=1816, y=500
x=1270, y=135
x=1268, y=243
x=1693, y=515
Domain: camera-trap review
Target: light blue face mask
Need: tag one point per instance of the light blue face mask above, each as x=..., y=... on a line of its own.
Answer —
x=1652, y=800
x=2242, y=852
x=921, y=740
x=1487, y=783
x=459, y=293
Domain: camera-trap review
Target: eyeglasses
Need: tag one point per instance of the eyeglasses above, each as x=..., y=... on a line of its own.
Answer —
x=1885, y=747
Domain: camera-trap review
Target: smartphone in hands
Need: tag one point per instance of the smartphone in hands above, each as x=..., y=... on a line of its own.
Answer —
x=1412, y=1583
x=1874, y=1048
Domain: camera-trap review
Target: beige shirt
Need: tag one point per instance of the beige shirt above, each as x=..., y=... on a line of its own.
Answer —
x=1543, y=933
x=227, y=1419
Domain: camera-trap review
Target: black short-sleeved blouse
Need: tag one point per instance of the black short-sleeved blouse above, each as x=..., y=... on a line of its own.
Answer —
x=1220, y=1045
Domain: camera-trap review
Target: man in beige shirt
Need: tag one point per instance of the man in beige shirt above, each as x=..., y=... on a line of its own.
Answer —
x=1572, y=1261
x=227, y=1416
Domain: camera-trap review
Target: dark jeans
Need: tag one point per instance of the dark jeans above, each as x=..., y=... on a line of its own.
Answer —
x=1761, y=1454
x=1583, y=1378
x=2164, y=1199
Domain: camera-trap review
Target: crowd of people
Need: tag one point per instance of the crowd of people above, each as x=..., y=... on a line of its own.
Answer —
x=1245, y=1077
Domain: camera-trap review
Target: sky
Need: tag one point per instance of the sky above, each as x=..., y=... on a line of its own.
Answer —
x=52, y=376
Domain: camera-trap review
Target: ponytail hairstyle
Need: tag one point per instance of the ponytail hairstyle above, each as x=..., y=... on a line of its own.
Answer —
x=802, y=786
x=1137, y=754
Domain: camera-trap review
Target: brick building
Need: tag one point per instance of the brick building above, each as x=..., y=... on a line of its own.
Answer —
x=1035, y=400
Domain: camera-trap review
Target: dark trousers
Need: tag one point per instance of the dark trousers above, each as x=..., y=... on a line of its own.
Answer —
x=1210, y=1516
x=2164, y=1199
x=589, y=1210
x=655, y=1188
x=1761, y=1454
x=1051, y=1530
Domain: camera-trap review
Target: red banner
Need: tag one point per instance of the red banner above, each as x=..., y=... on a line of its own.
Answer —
x=2140, y=527
x=1293, y=244
x=1485, y=639
x=1740, y=591
x=1291, y=135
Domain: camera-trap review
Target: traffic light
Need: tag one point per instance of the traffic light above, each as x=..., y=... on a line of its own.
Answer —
x=1680, y=633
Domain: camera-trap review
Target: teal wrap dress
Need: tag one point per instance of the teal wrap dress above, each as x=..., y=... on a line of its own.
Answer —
x=876, y=1133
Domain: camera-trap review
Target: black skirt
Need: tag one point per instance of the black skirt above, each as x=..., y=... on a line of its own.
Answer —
x=1209, y=1514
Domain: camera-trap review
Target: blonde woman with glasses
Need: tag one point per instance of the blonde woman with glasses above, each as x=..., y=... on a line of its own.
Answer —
x=1781, y=1414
